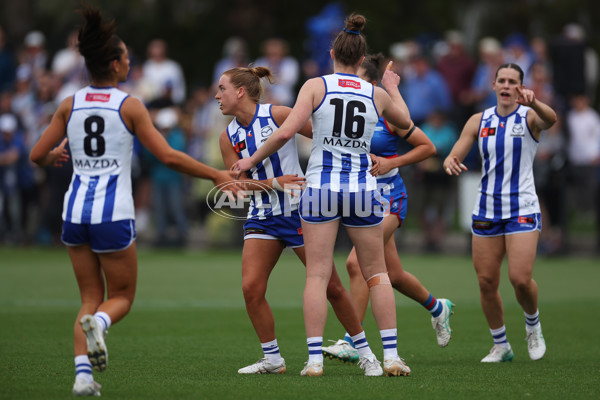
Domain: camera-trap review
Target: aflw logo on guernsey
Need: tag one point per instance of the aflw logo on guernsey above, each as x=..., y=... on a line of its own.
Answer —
x=102, y=97
x=348, y=83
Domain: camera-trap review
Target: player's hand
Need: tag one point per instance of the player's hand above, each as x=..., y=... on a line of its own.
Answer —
x=385, y=165
x=375, y=167
x=390, y=79
x=453, y=166
x=226, y=182
x=59, y=155
x=290, y=184
x=526, y=96
x=242, y=165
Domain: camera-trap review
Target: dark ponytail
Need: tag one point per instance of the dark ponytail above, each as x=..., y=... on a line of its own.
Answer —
x=373, y=66
x=350, y=44
x=98, y=43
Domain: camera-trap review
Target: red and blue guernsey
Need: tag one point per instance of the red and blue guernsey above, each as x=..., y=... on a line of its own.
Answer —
x=343, y=125
x=385, y=143
x=245, y=140
x=101, y=149
x=507, y=149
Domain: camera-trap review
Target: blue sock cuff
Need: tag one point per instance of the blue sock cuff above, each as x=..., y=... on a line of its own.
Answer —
x=348, y=339
x=428, y=301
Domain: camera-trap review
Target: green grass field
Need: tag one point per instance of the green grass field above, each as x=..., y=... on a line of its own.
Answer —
x=188, y=333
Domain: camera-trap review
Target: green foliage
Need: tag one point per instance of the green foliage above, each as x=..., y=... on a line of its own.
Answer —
x=188, y=333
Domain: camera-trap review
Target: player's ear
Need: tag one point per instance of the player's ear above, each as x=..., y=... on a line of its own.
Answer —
x=241, y=92
x=360, y=62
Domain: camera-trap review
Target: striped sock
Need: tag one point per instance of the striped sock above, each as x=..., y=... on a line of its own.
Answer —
x=103, y=320
x=433, y=306
x=389, y=337
x=83, y=368
x=532, y=321
x=361, y=344
x=499, y=336
x=271, y=350
x=348, y=339
x=315, y=348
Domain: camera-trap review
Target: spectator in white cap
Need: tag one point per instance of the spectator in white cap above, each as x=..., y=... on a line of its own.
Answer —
x=34, y=52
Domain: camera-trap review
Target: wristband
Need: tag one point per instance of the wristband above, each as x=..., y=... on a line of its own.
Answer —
x=276, y=185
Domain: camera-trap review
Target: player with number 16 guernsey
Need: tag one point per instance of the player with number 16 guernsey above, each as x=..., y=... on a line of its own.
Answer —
x=341, y=190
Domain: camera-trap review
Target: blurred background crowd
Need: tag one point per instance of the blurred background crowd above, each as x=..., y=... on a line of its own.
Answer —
x=446, y=73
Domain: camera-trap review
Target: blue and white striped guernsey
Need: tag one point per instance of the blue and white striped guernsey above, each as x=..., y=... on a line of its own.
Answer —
x=245, y=141
x=343, y=125
x=101, y=149
x=507, y=149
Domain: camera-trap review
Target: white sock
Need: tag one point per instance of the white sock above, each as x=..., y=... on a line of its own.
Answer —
x=499, y=336
x=83, y=369
x=361, y=344
x=271, y=351
x=390, y=343
x=532, y=321
x=315, y=349
x=103, y=320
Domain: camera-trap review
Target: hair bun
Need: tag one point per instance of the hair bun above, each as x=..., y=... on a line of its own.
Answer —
x=355, y=22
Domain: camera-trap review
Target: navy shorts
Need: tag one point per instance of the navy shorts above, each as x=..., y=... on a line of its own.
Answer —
x=499, y=227
x=102, y=238
x=355, y=209
x=286, y=228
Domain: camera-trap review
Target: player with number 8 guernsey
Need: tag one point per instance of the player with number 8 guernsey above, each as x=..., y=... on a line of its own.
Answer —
x=99, y=181
x=100, y=122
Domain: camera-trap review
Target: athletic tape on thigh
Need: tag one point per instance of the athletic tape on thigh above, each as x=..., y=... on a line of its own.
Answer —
x=379, y=279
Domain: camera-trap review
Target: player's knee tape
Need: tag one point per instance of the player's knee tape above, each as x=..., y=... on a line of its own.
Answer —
x=379, y=279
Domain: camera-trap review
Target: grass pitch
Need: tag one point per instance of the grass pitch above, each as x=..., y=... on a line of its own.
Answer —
x=188, y=333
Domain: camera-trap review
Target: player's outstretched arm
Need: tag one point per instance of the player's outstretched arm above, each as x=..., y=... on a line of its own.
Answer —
x=138, y=119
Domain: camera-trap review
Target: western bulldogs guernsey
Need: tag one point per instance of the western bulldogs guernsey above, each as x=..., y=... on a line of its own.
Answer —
x=101, y=148
x=385, y=144
x=507, y=149
x=343, y=125
x=245, y=141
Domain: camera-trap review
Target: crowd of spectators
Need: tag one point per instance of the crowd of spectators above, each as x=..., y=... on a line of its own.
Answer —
x=441, y=80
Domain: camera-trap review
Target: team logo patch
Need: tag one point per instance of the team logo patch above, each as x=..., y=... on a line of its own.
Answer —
x=485, y=132
x=102, y=97
x=299, y=231
x=482, y=225
x=517, y=130
x=240, y=146
x=526, y=220
x=348, y=83
x=502, y=124
x=266, y=131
